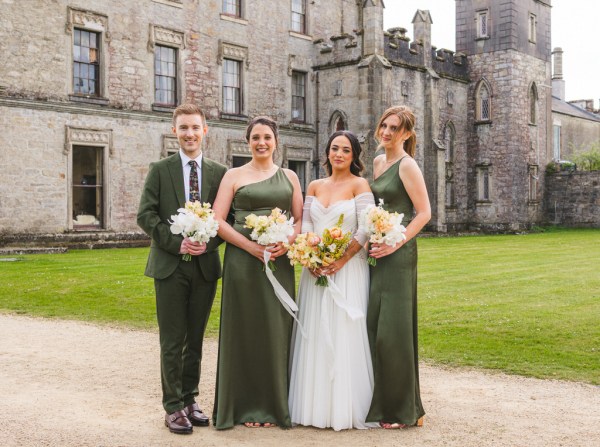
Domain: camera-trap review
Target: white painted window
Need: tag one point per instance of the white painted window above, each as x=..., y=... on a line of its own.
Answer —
x=556, y=141
x=298, y=96
x=232, y=87
x=232, y=7
x=299, y=16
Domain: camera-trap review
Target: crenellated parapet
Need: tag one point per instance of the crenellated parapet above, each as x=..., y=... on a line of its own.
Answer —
x=339, y=49
x=447, y=62
x=399, y=50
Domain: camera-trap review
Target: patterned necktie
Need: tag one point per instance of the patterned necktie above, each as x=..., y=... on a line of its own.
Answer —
x=194, y=191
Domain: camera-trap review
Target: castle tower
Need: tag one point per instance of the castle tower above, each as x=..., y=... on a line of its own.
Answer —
x=509, y=108
x=372, y=76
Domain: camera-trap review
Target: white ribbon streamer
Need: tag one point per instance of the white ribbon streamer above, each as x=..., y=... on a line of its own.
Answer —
x=333, y=292
x=284, y=298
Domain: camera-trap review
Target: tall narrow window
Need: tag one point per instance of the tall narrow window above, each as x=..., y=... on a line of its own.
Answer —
x=298, y=96
x=533, y=99
x=533, y=182
x=483, y=179
x=449, y=194
x=232, y=7
x=299, y=16
x=87, y=186
x=483, y=106
x=232, y=87
x=86, y=63
x=556, y=141
x=165, y=75
x=532, y=28
x=449, y=137
x=482, y=24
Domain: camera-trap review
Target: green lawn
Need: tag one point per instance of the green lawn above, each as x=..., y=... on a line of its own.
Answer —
x=524, y=304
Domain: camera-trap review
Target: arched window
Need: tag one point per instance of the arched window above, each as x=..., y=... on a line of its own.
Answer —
x=533, y=99
x=483, y=101
x=338, y=121
x=449, y=137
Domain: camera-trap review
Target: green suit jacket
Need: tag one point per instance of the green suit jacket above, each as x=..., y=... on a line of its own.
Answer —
x=163, y=194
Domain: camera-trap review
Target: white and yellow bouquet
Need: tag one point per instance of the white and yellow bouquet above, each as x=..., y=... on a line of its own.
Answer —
x=382, y=226
x=313, y=251
x=195, y=221
x=271, y=229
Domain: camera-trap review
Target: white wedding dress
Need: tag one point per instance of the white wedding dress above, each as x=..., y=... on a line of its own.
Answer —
x=331, y=372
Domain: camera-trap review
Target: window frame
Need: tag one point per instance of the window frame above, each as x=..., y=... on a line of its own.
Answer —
x=480, y=103
x=556, y=141
x=239, y=100
x=78, y=63
x=77, y=137
x=532, y=27
x=482, y=19
x=238, y=5
x=303, y=22
x=484, y=183
x=175, y=78
x=296, y=74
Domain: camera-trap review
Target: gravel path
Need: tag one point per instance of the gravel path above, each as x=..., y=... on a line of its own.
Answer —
x=66, y=383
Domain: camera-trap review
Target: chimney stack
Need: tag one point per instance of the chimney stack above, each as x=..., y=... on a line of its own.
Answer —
x=558, y=83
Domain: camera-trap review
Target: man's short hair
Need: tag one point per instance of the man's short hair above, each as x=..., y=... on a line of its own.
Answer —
x=188, y=109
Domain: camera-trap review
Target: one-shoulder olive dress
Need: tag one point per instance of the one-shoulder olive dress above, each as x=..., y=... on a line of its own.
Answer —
x=392, y=317
x=255, y=332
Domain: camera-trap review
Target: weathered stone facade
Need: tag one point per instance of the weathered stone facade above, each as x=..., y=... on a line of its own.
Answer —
x=76, y=162
x=573, y=199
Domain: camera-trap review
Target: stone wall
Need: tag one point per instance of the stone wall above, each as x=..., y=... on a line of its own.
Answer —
x=38, y=109
x=508, y=145
x=573, y=199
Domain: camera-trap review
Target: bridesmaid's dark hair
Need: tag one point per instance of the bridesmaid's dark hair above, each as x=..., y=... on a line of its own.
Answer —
x=265, y=120
x=357, y=166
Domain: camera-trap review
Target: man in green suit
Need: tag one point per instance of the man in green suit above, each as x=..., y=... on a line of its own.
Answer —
x=185, y=290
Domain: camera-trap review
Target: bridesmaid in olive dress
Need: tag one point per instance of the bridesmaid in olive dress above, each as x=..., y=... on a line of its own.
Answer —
x=392, y=311
x=255, y=332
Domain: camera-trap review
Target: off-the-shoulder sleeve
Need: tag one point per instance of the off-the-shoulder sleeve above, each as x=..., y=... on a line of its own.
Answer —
x=362, y=201
x=307, y=223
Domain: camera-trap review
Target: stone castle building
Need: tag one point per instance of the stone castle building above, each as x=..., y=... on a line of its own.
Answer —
x=87, y=90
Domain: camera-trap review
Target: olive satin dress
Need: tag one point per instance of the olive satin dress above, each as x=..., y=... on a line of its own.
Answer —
x=255, y=332
x=392, y=317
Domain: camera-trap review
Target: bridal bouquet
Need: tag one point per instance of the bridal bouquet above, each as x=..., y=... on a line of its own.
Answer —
x=382, y=226
x=195, y=221
x=268, y=230
x=312, y=251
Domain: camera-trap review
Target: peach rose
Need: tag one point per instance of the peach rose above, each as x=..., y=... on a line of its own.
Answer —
x=336, y=233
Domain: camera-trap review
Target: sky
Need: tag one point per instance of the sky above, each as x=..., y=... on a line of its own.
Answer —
x=574, y=29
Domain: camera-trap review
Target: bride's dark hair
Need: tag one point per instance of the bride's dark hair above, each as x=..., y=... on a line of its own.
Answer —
x=357, y=165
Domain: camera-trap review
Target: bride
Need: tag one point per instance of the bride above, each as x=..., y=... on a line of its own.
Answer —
x=331, y=374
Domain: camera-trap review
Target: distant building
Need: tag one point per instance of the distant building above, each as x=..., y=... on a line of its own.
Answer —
x=87, y=92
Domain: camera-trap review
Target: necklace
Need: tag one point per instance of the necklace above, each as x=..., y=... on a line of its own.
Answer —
x=261, y=170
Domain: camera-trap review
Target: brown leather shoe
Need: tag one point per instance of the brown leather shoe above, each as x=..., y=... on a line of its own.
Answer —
x=196, y=416
x=178, y=423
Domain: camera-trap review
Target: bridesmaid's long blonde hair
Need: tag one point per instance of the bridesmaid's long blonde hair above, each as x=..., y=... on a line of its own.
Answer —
x=407, y=122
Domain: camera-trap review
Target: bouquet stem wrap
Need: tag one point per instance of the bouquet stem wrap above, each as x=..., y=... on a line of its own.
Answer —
x=284, y=298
